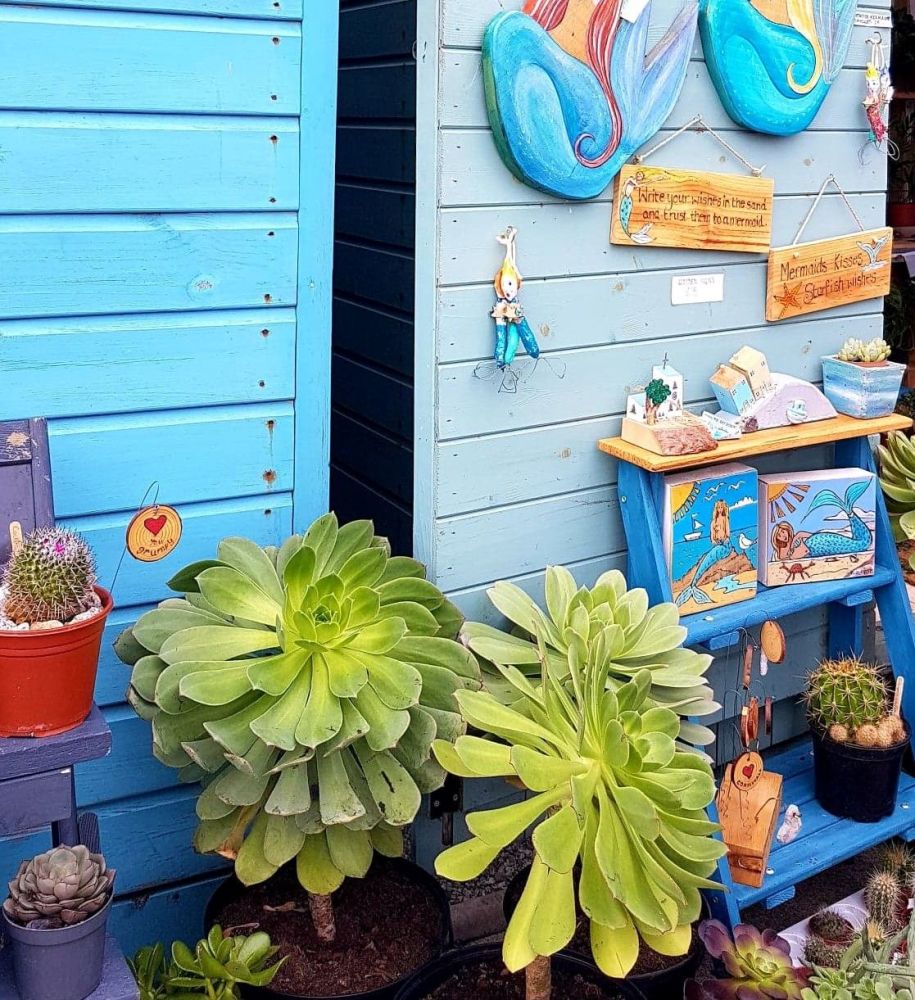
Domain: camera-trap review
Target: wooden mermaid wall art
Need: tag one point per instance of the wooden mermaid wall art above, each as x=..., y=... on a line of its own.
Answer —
x=773, y=61
x=571, y=92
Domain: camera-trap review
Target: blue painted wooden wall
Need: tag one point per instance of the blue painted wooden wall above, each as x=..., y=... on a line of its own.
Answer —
x=166, y=191
x=508, y=484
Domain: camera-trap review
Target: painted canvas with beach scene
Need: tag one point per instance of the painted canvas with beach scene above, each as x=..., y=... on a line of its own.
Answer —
x=710, y=526
x=817, y=526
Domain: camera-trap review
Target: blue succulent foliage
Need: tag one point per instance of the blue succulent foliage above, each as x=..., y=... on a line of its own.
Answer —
x=542, y=100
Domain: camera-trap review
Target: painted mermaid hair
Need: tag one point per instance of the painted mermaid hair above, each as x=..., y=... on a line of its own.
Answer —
x=602, y=32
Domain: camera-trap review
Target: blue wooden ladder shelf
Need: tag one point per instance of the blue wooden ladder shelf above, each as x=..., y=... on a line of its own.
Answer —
x=824, y=840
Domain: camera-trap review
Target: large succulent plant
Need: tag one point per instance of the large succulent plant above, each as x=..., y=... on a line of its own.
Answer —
x=620, y=800
x=303, y=686
x=63, y=886
x=636, y=638
x=758, y=965
x=217, y=968
x=897, y=478
x=840, y=984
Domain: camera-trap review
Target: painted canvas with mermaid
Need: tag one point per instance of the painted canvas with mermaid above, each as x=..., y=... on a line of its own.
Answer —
x=710, y=536
x=816, y=526
x=774, y=61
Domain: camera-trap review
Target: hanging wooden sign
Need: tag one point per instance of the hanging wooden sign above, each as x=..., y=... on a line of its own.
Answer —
x=809, y=277
x=657, y=206
x=154, y=533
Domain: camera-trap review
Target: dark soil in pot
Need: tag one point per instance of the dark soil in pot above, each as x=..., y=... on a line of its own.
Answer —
x=659, y=977
x=477, y=973
x=389, y=924
x=859, y=783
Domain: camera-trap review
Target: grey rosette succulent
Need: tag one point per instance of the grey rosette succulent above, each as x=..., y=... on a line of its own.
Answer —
x=61, y=887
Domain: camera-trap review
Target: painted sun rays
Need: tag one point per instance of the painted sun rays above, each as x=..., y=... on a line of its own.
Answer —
x=572, y=91
x=773, y=61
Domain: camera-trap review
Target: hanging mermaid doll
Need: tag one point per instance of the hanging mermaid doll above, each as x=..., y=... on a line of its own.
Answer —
x=878, y=94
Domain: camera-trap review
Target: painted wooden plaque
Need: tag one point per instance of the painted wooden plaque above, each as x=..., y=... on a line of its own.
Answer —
x=809, y=277
x=655, y=206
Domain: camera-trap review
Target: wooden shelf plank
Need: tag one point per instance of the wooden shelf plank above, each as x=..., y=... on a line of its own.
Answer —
x=824, y=839
x=20, y=757
x=777, y=602
x=839, y=428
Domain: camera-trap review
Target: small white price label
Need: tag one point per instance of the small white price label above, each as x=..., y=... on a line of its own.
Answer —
x=688, y=289
x=873, y=19
x=632, y=9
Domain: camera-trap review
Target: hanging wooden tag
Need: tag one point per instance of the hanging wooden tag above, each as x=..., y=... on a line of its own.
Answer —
x=154, y=533
x=657, y=206
x=772, y=641
x=824, y=274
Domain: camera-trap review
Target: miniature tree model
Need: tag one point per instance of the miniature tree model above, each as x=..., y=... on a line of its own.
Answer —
x=656, y=392
x=303, y=686
x=611, y=792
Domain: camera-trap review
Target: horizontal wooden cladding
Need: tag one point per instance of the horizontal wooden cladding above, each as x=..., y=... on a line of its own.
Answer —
x=67, y=162
x=117, y=61
x=385, y=92
x=595, y=379
x=377, y=153
x=366, y=332
x=376, y=214
x=374, y=274
x=106, y=365
x=273, y=9
x=377, y=31
x=376, y=459
x=87, y=265
x=192, y=455
x=353, y=500
x=143, y=837
x=472, y=173
x=463, y=104
x=373, y=396
x=554, y=242
x=463, y=23
x=265, y=519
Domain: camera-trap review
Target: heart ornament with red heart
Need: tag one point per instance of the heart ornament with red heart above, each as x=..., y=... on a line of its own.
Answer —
x=154, y=533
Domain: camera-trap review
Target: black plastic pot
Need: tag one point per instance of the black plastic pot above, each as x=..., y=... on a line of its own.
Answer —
x=858, y=783
x=664, y=984
x=231, y=889
x=436, y=973
x=58, y=964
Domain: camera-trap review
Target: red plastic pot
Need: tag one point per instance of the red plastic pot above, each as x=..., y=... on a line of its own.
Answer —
x=47, y=677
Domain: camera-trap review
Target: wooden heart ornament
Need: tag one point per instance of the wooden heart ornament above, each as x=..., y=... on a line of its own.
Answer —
x=747, y=770
x=154, y=533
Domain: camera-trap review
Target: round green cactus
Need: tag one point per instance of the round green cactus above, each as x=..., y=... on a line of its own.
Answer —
x=845, y=692
x=303, y=686
x=50, y=578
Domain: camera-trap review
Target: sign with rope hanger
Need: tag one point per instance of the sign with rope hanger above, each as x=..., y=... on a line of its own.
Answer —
x=692, y=209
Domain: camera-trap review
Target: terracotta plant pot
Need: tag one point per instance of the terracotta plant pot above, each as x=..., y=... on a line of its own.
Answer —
x=47, y=677
x=862, y=389
x=64, y=963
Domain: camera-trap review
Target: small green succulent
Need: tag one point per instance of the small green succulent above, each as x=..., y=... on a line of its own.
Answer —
x=217, y=968
x=842, y=984
x=855, y=350
x=638, y=638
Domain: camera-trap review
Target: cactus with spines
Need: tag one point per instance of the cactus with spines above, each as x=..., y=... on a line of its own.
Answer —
x=885, y=898
x=832, y=927
x=870, y=351
x=823, y=954
x=50, y=578
x=896, y=857
x=847, y=693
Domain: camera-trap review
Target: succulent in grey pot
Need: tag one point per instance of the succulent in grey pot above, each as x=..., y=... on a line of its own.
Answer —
x=55, y=917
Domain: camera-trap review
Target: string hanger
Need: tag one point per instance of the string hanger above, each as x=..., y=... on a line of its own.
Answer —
x=699, y=124
x=831, y=179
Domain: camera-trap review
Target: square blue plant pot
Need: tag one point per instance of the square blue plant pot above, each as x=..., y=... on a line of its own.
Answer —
x=860, y=391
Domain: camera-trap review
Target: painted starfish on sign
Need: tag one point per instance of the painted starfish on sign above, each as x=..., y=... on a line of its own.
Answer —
x=789, y=299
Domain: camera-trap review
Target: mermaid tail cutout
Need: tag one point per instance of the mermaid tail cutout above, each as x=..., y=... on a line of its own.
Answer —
x=549, y=112
x=693, y=591
x=772, y=77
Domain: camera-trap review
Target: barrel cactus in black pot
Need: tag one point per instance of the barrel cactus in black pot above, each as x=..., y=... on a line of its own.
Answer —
x=859, y=740
x=55, y=917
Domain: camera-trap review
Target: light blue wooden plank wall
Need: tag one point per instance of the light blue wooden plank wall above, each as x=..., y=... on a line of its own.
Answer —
x=508, y=484
x=166, y=192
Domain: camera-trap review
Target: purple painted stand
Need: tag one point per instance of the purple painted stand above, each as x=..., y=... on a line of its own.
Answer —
x=36, y=778
x=25, y=478
x=117, y=982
